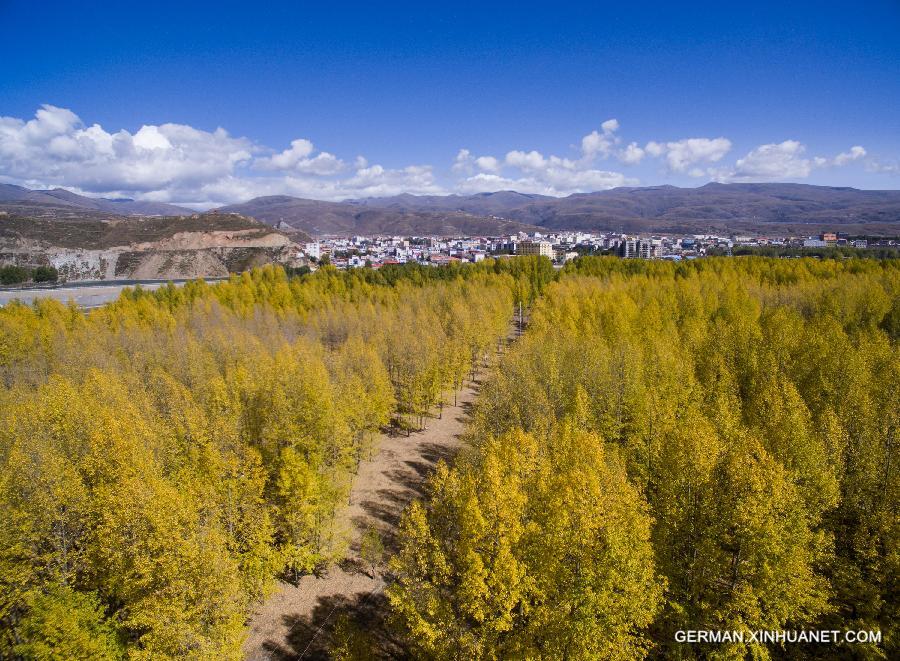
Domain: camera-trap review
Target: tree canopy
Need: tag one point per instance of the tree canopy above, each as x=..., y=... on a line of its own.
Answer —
x=743, y=412
x=164, y=457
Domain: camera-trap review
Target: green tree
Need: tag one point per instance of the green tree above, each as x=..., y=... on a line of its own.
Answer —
x=60, y=623
x=45, y=274
x=12, y=275
x=371, y=550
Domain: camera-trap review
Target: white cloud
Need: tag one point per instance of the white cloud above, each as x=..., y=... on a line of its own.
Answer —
x=298, y=157
x=553, y=175
x=566, y=182
x=483, y=182
x=184, y=165
x=856, y=152
x=600, y=143
x=487, y=164
x=682, y=154
x=300, y=149
x=463, y=161
x=784, y=160
x=55, y=149
x=180, y=164
x=546, y=175
x=369, y=181
x=148, y=137
x=466, y=163
x=532, y=160
x=553, y=182
x=610, y=126
x=890, y=167
x=632, y=154
x=773, y=161
x=655, y=149
x=322, y=163
x=377, y=181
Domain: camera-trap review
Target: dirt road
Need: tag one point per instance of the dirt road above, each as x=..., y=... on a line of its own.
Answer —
x=296, y=621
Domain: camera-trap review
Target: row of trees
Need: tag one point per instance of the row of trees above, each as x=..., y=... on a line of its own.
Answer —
x=13, y=275
x=164, y=457
x=825, y=252
x=707, y=445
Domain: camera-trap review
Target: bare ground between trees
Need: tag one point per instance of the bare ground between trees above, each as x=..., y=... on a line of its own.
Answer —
x=297, y=620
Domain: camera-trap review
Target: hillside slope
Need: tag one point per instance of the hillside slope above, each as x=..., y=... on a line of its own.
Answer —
x=348, y=218
x=720, y=208
x=780, y=209
x=59, y=202
x=201, y=245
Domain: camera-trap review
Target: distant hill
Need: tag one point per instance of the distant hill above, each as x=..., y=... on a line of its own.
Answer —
x=100, y=235
x=60, y=203
x=715, y=208
x=479, y=204
x=786, y=209
x=780, y=209
x=87, y=238
x=369, y=217
x=200, y=245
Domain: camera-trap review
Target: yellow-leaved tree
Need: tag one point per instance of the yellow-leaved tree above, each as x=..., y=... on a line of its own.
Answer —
x=528, y=548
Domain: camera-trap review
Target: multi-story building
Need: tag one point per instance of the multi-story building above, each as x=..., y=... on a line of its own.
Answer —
x=644, y=249
x=541, y=248
x=313, y=249
x=628, y=248
x=647, y=250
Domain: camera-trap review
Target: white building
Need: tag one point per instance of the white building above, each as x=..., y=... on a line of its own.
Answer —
x=313, y=250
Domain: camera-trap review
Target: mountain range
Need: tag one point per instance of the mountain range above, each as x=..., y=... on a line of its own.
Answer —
x=777, y=209
x=88, y=238
x=60, y=203
x=784, y=209
x=348, y=218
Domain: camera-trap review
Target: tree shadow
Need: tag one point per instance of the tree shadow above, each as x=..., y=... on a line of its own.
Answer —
x=387, y=514
x=398, y=498
x=408, y=483
x=434, y=452
x=406, y=478
x=311, y=638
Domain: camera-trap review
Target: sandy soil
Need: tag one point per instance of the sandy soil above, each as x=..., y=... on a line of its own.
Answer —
x=178, y=264
x=250, y=238
x=296, y=621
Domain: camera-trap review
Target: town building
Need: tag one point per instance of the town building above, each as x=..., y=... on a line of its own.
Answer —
x=541, y=248
x=314, y=250
x=638, y=248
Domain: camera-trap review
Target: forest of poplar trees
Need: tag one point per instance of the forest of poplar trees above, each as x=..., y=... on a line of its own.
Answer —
x=704, y=445
x=163, y=458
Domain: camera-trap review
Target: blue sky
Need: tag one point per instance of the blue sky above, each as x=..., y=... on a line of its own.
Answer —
x=714, y=91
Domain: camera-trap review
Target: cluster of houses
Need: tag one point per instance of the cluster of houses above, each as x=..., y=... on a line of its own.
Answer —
x=375, y=251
